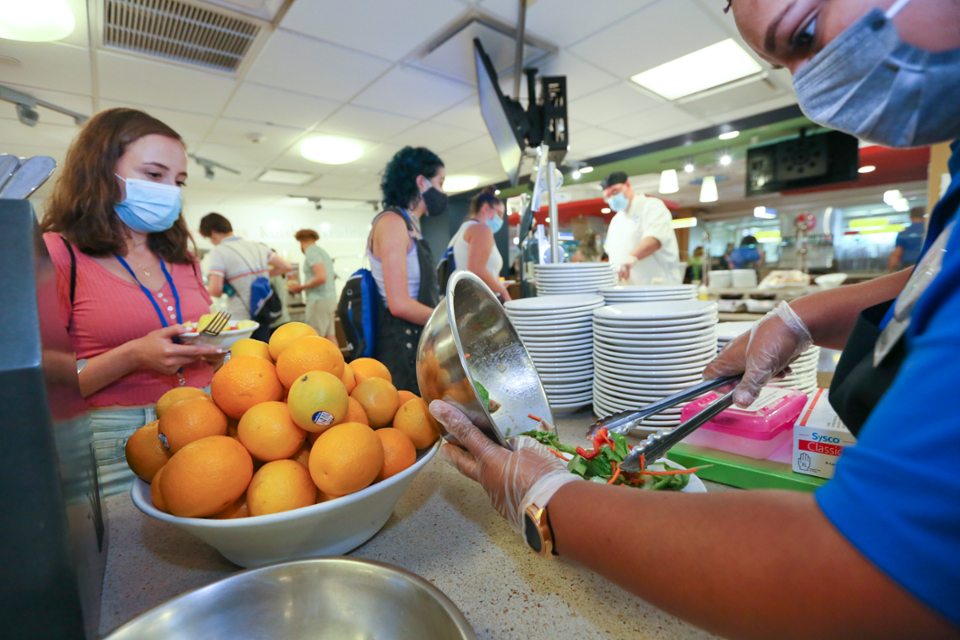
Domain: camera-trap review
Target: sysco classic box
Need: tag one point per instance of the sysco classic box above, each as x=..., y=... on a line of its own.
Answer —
x=819, y=438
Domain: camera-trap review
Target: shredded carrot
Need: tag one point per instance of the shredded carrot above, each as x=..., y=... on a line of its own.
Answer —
x=671, y=472
x=533, y=417
x=616, y=473
x=466, y=355
x=643, y=462
x=557, y=453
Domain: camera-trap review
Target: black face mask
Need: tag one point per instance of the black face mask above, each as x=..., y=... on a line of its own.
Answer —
x=435, y=201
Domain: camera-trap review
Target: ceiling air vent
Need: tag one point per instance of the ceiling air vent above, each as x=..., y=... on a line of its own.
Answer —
x=178, y=31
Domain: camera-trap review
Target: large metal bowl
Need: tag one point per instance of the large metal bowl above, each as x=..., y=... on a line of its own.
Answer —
x=316, y=599
x=470, y=339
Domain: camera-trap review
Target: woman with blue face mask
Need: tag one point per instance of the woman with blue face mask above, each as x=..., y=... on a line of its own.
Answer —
x=875, y=552
x=474, y=246
x=126, y=278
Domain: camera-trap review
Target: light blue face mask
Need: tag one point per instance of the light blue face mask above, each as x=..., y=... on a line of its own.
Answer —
x=149, y=206
x=869, y=83
x=495, y=223
x=618, y=202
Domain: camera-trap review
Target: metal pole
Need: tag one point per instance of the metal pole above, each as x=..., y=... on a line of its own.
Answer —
x=518, y=59
x=554, y=215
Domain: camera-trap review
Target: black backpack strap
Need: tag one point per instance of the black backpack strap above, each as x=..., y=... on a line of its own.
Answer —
x=73, y=271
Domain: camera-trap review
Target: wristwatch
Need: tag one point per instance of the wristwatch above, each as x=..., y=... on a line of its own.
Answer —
x=537, y=532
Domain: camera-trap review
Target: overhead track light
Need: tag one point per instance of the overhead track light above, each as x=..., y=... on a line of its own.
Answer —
x=669, y=182
x=209, y=165
x=26, y=106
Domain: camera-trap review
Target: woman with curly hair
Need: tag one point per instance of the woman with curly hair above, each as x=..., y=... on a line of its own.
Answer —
x=126, y=280
x=401, y=261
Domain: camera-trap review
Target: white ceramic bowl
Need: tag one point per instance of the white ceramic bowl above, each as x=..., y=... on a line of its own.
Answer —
x=326, y=529
x=830, y=280
x=225, y=340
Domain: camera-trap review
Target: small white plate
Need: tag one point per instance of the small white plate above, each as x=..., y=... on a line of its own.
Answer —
x=574, y=376
x=538, y=322
x=658, y=336
x=224, y=340
x=627, y=380
x=536, y=341
x=562, y=356
x=673, y=378
x=567, y=388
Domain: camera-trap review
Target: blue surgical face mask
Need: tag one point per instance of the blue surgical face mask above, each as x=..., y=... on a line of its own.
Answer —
x=618, y=202
x=869, y=83
x=495, y=223
x=149, y=206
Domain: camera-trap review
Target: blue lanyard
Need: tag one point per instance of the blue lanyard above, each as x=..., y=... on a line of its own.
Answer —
x=152, y=297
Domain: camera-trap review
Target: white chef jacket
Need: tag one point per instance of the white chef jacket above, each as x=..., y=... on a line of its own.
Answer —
x=645, y=218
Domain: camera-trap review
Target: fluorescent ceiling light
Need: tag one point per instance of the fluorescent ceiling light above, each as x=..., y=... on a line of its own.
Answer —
x=35, y=20
x=330, y=150
x=872, y=223
x=763, y=212
x=683, y=223
x=669, y=182
x=605, y=210
x=708, y=191
x=729, y=135
x=454, y=184
x=867, y=168
x=710, y=67
x=586, y=169
x=282, y=176
x=896, y=200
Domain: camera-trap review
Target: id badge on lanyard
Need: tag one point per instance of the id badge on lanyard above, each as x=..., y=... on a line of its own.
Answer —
x=924, y=273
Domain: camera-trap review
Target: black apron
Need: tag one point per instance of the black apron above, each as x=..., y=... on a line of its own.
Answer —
x=397, y=339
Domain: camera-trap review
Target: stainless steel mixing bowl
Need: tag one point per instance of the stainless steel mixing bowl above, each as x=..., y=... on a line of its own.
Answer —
x=316, y=599
x=470, y=339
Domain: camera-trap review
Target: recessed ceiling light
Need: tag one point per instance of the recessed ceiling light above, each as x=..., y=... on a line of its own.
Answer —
x=496, y=192
x=689, y=167
x=330, y=150
x=576, y=174
x=729, y=135
x=586, y=169
x=868, y=168
x=763, y=212
x=725, y=160
x=455, y=184
x=282, y=176
x=710, y=67
x=35, y=20
x=605, y=210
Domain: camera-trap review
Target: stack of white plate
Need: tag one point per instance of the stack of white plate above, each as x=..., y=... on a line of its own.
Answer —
x=573, y=277
x=643, y=352
x=558, y=333
x=803, y=374
x=648, y=293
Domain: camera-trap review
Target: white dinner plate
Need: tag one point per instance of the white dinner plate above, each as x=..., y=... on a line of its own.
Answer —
x=700, y=349
x=607, y=359
x=575, y=376
x=573, y=266
x=561, y=355
x=688, y=324
x=567, y=388
x=630, y=391
x=680, y=309
x=539, y=322
x=621, y=369
x=613, y=300
x=658, y=336
x=628, y=380
x=537, y=341
x=651, y=288
x=554, y=303
x=679, y=344
x=561, y=332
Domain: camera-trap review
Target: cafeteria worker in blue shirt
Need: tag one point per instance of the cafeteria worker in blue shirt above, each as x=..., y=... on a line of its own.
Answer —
x=909, y=244
x=874, y=553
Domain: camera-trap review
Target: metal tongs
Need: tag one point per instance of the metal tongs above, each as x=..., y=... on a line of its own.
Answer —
x=654, y=446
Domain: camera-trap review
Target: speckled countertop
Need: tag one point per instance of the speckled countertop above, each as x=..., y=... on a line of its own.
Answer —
x=442, y=529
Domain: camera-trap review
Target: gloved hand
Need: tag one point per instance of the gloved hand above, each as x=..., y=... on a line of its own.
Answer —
x=626, y=265
x=760, y=354
x=512, y=479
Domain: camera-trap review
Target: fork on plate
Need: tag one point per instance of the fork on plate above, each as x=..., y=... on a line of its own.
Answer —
x=216, y=326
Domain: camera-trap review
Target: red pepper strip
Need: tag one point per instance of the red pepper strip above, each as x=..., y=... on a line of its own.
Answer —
x=587, y=455
x=533, y=417
x=616, y=473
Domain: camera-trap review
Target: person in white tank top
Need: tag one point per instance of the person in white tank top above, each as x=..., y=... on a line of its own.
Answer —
x=474, y=248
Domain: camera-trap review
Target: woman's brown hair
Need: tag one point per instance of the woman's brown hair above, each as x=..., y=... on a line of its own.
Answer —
x=81, y=206
x=486, y=197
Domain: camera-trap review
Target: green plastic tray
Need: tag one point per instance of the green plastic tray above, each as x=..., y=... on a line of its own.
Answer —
x=742, y=472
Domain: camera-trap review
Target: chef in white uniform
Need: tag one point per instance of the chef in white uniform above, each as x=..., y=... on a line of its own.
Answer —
x=640, y=239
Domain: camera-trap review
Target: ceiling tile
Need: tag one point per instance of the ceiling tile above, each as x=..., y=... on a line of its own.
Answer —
x=436, y=137
x=656, y=34
x=412, y=93
x=565, y=22
x=192, y=127
x=82, y=104
x=584, y=141
x=582, y=77
x=474, y=152
x=753, y=109
x=742, y=95
x=297, y=63
x=265, y=104
x=465, y=115
x=609, y=104
x=389, y=30
x=232, y=156
x=275, y=139
x=80, y=29
x=16, y=135
x=126, y=78
x=46, y=65
x=368, y=124
x=651, y=121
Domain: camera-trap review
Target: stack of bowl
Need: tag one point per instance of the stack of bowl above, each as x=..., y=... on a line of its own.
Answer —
x=648, y=293
x=647, y=351
x=573, y=277
x=803, y=375
x=558, y=334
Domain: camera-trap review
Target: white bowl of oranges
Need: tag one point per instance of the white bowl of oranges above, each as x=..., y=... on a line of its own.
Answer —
x=300, y=458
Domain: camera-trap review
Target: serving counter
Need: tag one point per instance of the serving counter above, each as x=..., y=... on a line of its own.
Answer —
x=443, y=529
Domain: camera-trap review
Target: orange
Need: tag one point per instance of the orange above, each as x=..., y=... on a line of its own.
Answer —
x=346, y=458
x=310, y=353
x=236, y=510
x=379, y=400
x=366, y=368
x=415, y=420
x=145, y=452
x=287, y=333
x=282, y=485
x=406, y=396
x=355, y=413
x=349, y=380
x=174, y=395
x=155, y=494
x=268, y=432
x=303, y=454
x=245, y=381
x=317, y=401
x=206, y=476
x=250, y=347
x=189, y=420
x=398, y=452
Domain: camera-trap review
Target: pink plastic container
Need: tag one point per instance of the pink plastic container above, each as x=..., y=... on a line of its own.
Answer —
x=754, y=432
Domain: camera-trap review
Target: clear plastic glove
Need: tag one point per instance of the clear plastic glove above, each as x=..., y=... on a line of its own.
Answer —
x=761, y=353
x=513, y=479
x=626, y=266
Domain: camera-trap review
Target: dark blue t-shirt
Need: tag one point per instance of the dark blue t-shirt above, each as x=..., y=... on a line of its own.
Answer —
x=744, y=255
x=911, y=241
x=896, y=494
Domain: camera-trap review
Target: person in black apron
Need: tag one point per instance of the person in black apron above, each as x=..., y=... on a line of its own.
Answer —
x=412, y=187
